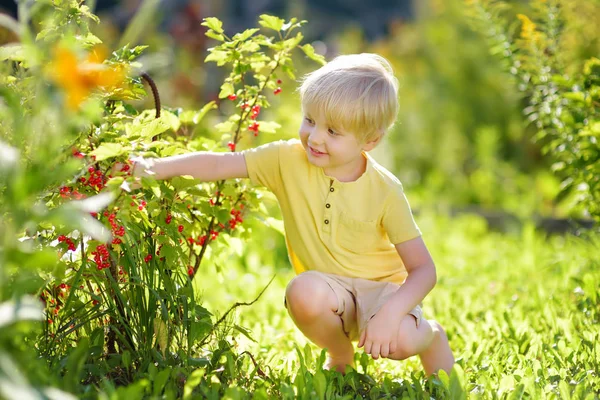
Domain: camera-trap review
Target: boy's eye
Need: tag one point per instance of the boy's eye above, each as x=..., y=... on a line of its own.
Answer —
x=332, y=132
x=310, y=121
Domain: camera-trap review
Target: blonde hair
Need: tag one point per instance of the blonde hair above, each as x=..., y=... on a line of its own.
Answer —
x=356, y=93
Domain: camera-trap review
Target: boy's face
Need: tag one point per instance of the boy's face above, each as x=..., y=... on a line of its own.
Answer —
x=339, y=153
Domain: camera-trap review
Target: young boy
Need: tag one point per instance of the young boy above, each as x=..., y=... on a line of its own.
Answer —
x=363, y=268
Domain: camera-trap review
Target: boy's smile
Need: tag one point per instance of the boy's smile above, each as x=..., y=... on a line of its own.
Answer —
x=316, y=153
x=339, y=153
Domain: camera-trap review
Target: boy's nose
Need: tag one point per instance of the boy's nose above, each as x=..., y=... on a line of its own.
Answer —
x=316, y=137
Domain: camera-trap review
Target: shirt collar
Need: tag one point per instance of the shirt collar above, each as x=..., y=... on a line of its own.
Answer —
x=337, y=184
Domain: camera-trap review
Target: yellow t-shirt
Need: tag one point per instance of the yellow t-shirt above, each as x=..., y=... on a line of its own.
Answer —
x=342, y=228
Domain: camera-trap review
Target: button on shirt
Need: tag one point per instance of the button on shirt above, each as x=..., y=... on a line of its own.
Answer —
x=343, y=228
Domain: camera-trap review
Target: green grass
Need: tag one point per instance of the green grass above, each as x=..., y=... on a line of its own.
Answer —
x=521, y=312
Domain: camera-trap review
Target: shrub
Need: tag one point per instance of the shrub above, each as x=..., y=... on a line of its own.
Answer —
x=552, y=54
x=114, y=268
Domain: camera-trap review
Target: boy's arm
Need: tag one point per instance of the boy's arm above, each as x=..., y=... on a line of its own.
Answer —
x=206, y=166
x=421, y=278
x=380, y=335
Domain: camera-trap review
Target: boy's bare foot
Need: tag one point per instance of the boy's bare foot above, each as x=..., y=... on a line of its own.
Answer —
x=338, y=364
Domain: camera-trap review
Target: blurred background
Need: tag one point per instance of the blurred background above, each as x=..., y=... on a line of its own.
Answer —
x=461, y=142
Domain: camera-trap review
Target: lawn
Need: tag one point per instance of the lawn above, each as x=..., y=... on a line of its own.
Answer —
x=521, y=311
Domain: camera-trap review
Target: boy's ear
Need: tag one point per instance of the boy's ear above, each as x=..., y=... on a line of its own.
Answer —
x=372, y=143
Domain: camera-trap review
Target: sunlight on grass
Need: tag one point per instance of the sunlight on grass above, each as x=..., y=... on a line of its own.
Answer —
x=520, y=310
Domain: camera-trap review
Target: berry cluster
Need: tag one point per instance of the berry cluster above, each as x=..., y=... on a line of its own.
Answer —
x=237, y=218
x=77, y=153
x=66, y=193
x=255, y=112
x=68, y=241
x=117, y=230
x=142, y=204
x=97, y=179
x=101, y=257
x=254, y=128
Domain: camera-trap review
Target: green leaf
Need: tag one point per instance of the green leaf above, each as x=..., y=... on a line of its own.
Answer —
x=457, y=382
x=517, y=394
x=160, y=381
x=89, y=40
x=320, y=384
x=213, y=23
x=193, y=380
x=293, y=42
x=443, y=377
x=226, y=90
x=244, y=332
x=225, y=127
x=194, y=117
x=288, y=24
x=269, y=126
x=276, y=224
x=218, y=56
x=153, y=128
x=310, y=53
x=181, y=182
x=108, y=150
x=245, y=35
x=216, y=36
x=289, y=71
x=565, y=391
x=272, y=22
x=171, y=120
x=126, y=359
x=75, y=362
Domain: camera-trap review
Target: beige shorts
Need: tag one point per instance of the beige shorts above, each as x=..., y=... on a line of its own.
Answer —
x=359, y=300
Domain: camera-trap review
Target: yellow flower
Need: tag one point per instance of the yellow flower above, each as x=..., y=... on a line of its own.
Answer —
x=78, y=78
x=528, y=31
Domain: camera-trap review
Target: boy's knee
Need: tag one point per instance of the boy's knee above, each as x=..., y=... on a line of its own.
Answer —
x=412, y=340
x=405, y=348
x=307, y=297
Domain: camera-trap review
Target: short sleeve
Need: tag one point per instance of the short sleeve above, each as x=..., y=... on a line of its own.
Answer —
x=398, y=220
x=263, y=164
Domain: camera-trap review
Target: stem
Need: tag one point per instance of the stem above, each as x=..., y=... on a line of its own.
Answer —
x=236, y=305
x=242, y=117
x=259, y=371
x=155, y=94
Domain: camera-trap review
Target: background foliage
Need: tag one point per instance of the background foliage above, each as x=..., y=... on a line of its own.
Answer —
x=159, y=292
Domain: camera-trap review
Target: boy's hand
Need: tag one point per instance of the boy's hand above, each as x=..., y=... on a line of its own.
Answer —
x=380, y=336
x=140, y=167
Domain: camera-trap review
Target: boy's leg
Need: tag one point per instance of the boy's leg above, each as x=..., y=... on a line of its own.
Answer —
x=438, y=354
x=428, y=340
x=313, y=304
